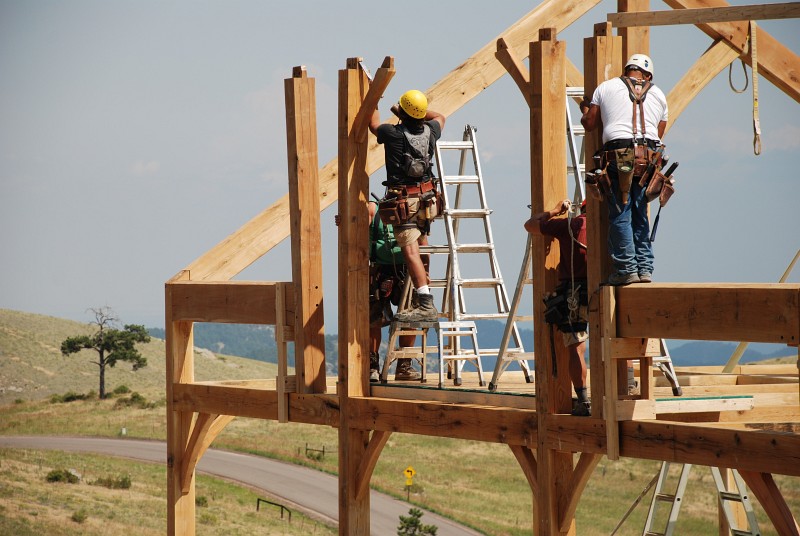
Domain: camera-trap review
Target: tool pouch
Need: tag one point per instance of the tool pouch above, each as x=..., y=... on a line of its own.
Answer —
x=641, y=159
x=625, y=159
x=666, y=191
x=393, y=209
x=656, y=185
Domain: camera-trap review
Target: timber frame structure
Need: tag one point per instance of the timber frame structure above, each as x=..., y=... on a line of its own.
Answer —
x=557, y=452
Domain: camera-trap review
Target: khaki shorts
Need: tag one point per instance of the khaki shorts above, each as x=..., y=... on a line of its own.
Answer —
x=409, y=232
x=572, y=338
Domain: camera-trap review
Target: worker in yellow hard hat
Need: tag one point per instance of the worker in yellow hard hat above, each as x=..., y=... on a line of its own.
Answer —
x=411, y=200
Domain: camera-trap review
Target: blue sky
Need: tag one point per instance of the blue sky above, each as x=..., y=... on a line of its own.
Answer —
x=134, y=136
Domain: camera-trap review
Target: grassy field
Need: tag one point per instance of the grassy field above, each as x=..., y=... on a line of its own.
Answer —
x=478, y=484
x=32, y=506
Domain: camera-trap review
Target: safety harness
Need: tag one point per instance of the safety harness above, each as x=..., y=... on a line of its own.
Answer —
x=637, y=91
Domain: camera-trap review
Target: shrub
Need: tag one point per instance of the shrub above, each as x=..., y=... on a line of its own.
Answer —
x=62, y=475
x=80, y=516
x=201, y=500
x=121, y=390
x=121, y=482
x=135, y=400
x=71, y=396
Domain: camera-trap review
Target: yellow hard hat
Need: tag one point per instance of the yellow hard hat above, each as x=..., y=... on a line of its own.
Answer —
x=414, y=103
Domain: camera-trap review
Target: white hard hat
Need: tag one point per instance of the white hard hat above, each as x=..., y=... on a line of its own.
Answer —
x=641, y=61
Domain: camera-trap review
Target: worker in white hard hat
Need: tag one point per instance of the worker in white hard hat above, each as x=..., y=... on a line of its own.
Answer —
x=628, y=139
x=634, y=115
x=411, y=198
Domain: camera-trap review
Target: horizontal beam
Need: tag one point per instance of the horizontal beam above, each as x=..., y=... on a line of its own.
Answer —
x=713, y=312
x=788, y=10
x=765, y=452
x=479, y=423
x=232, y=302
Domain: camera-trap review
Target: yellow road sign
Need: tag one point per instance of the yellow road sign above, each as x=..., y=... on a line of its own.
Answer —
x=409, y=482
x=409, y=472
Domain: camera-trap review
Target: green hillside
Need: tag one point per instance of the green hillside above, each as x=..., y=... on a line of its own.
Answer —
x=32, y=367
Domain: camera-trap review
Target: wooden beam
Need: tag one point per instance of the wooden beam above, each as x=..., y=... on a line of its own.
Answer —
x=367, y=465
x=776, y=62
x=635, y=39
x=601, y=54
x=718, y=56
x=234, y=302
x=304, y=223
x=608, y=320
x=763, y=486
x=179, y=369
x=206, y=428
x=268, y=228
x=479, y=423
x=548, y=163
x=568, y=501
x=515, y=68
x=353, y=299
x=747, y=450
x=713, y=311
x=376, y=90
x=787, y=10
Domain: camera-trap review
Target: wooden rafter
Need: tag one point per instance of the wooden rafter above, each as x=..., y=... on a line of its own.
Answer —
x=776, y=62
x=786, y=10
x=459, y=86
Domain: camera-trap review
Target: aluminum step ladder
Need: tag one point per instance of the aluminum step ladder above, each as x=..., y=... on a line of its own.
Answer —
x=674, y=499
x=576, y=168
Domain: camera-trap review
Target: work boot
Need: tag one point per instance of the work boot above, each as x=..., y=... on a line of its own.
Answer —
x=374, y=367
x=633, y=388
x=645, y=277
x=425, y=311
x=581, y=409
x=405, y=372
x=619, y=279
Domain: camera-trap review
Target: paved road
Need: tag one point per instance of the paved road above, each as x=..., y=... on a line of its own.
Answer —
x=305, y=489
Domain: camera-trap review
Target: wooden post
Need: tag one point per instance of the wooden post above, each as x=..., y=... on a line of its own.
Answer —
x=635, y=39
x=601, y=54
x=301, y=145
x=180, y=369
x=548, y=167
x=353, y=297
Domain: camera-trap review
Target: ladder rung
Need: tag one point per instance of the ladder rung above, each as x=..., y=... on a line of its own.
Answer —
x=488, y=282
x=575, y=91
x=434, y=249
x=484, y=316
x=460, y=179
x=664, y=497
x=729, y=496
x=578, y=130
x=474, y=248
x=468, y=212
x=455, y=144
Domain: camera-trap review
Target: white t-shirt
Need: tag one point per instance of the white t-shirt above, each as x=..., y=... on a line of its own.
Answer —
x=616, y=111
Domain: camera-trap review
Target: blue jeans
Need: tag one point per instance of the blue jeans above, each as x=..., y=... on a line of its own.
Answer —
x=629, y=229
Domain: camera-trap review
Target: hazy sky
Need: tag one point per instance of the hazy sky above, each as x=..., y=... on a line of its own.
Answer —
x=136, y=135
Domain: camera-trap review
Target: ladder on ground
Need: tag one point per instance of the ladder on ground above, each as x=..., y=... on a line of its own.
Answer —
x=674, y=499
x=577, y=169
x=459, y=189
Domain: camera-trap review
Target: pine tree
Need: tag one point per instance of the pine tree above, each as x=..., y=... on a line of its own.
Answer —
x=411, y=525
x=111, y=344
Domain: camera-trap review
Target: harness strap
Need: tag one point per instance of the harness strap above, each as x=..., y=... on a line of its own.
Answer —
x=637, y=97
